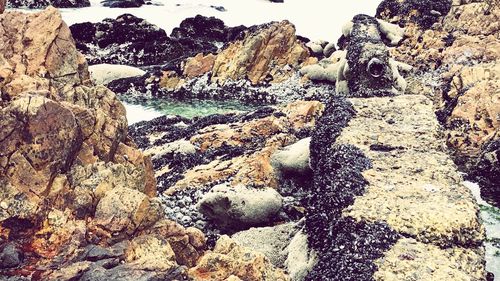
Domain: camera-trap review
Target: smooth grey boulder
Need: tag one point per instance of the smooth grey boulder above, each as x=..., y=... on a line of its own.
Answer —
x=293, y=158
x=270, y=241
x=106, y=73
x=300, y=258
x=240, y=206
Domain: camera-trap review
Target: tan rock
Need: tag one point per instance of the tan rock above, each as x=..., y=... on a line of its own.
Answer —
x=229, y=261
x=267, y=52
x=171, y=81
x=126, y=210
x=188, y=244
x=150, y=253
x=411, y=260
x=198, y=65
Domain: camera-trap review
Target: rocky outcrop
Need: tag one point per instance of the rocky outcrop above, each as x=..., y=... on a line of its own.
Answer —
x=133, y=41
x=250, y=66
x=41, y=4
x=77, y=196
x=364, y=68
x=459, y=62
x=386, y=176
x=267, y=54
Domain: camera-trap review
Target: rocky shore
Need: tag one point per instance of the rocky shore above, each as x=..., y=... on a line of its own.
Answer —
x=350, y=167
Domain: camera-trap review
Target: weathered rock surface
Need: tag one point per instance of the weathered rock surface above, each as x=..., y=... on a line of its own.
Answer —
x=229, y=261
x=364, y=68
x=267, y=53
x=77, y=196
x=270, y=241
x=385, y=177
x=41, y=4
x=192, y=156
x=457, y=52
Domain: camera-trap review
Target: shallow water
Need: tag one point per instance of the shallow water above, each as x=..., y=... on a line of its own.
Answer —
x=152, y=108
x=491, y=220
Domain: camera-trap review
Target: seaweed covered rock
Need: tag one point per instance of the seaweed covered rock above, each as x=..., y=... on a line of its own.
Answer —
x=123, y=3
x=193, y=156
x=365, y=67
x=133, y=41
x=424, y=13
x=364, y=201
x=41, y=4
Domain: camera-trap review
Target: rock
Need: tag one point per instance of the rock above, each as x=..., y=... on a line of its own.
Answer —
x=151, y=254
x=126, y=210
x=198, y=65
x=228, y=260
x=102, y=74
x=10, y=256
x=66, y=157
x=329, y=49
x=364, y=68
x=261, y=55
x=42, y=4
x=129, y=40
x=486, y=171
x=2, y=5
x=239, y=206
x=188, y=244
x=423, y=13
x=270, y=241
x=411, y=258
x=208, y=29
x=122, y=3
x=292, y=159
x=300, y=258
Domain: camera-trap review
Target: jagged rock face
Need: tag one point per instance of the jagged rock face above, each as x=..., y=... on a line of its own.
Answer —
x=72, y=182
x=41, y=4
x=229, y=261
x=266, y=54
x=459, y=55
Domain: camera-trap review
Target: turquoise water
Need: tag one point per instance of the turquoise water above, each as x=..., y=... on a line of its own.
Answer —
x=152, y=108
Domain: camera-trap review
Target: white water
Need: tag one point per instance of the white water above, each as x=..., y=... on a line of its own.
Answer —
x=491, y=221
x=315, y=19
